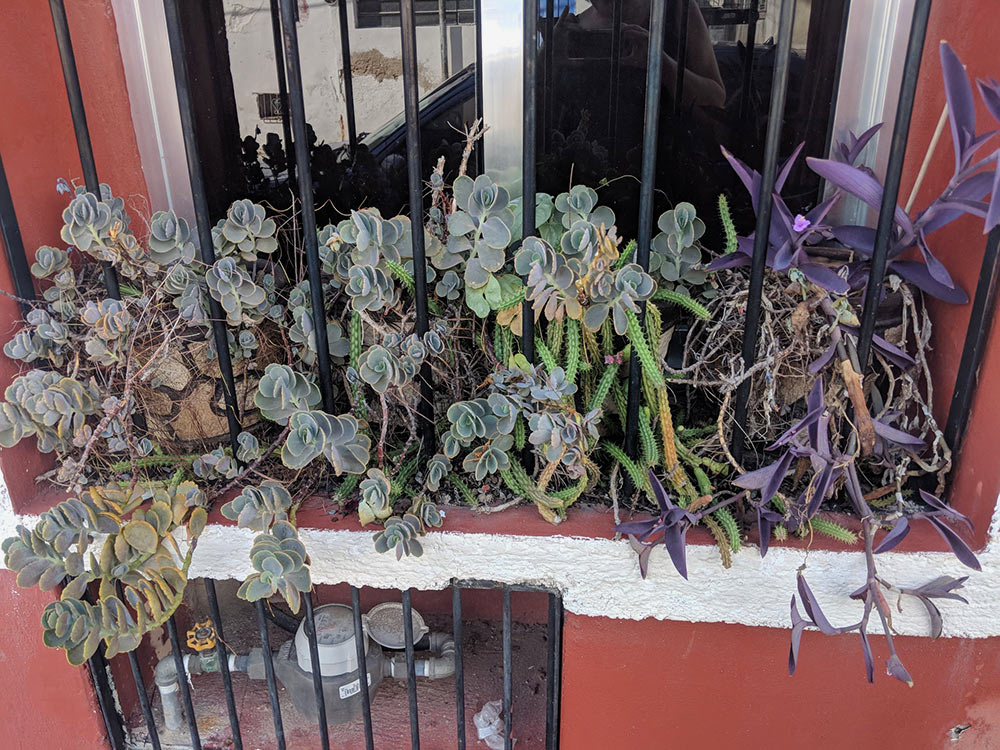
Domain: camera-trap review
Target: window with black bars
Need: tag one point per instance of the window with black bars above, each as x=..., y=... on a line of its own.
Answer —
x=385, y=13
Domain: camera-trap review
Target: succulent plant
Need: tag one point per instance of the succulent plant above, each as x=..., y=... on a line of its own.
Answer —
x=674, y=252
x=87, y=222
x=49, y=261
x=376, y=501
x=233, y=288
x=551, y=282
x=248, y=447
x=339, y=439
x=631, y=286
x=110, y=325
x=552, y=386
x=436, y=470
x=192, y=302
x=481, y=229
x=73, y=625
x=258, y=508
x=400, y=534
x=370, y=288
x=375, y=239
x=215, y=464
x=280, y=563
x=449, y=286
x=380, y=368
x=580, y=204
x=169, y=239
x=489, y=458
x=246, y=230
x=471, y=420
x=428, y=513
x=303, y=333
x=283, y=391
x=52, y=407
x=566, y=435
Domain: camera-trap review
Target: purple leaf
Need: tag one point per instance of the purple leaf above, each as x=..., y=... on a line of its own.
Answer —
x=859, y=239
x=823, y=359
x=811, y=418
x=947, y=510
x=765, y=476
x=771, y=488
x=812, y=608
x=662, y=499
x=961, y=106
x=894, y=668
x=896, y=436
x=643, y=551
x=935, y=614
x=765, y=518
x=824, y=277
x=729, y=260
x=897, y=534
x=674, y=538
x=859, y=183
x=749, y=177
x=858, y=143
x=639, y=528
x=786, y=168
x=989, y=90
x=959, y=547
x=916, y=273
x=893, y=353
x=820, y=489
x=799, y=624
x=934, y=267
x=993, y=214
x=866, y=649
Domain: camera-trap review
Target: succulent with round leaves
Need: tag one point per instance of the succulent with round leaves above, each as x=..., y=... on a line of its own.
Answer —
x=481, y=229
x=631, y=286
x=303, y=333
x=110, y=325
x=373, y=238
x=233, y=288
x=87, y=223
x=258, y=508
x=246, y=345
x=489, y=458
x=339, y=439
x=449, y=286
x=169, y=239
x=551, y=281
x=192, y=303
x=72, y=625
x=437, y=469
x=380, y=368
x=505, y=410
x=280, y=563
x=429, y=514
x=282, y=391
x=471, y=420
x=27, y=347
x=570, y=436
x=246, y=230
x=370, y=288
x=674, y=252
x=400, y=535
x=215, y=464
x=580, y=204
x=552, y=386
x=52, y=407
x=49, y=261
x=248, y=447
x=376, y=497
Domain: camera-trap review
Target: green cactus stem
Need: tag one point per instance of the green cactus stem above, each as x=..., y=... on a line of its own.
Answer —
x=572, y=349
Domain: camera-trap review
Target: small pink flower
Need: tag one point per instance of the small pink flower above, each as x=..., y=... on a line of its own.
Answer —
x=801, y=223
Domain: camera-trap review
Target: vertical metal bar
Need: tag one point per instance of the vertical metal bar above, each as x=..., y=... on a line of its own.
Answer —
x=147, y=710
x=651, y=127
x=765, y=203
x=279, y=64
x=479, y=153
x=548, y=94
x=616, y=67
x=528, y=167
x=359, y=641
x=13, y=245
x=293, y=67
x=345, y=59
x=203, y=218
x=317, y=672
x=508, y=672
x=976, y=337
x=553, y=672
x=222, y=654
x=411, y=669
x=443, y=27
x=411, y=95
x=272, y=686
x=182, y=682
x=748, y=64
x=79, y=113
x=456, y=630
x=893, y=176
x=682, y=46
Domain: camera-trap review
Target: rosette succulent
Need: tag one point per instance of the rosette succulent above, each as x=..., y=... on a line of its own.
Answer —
x=51, y=407
x=551, y=282
x=437, y=469
x=283, y=391
x=380, y=368
x=631, y=286
x=374, y=239
x=258, y=508
x=280, y=563
x=376, y=497
x=169, y=239
x=489, y=458
x=49, y=261
x=370, y=288
x=246, y=230
x=339, y=439
x=86, y=224
x=233, y=288
x=481, y=229
x=400, y=534
x=110, y=324
x=674, y=252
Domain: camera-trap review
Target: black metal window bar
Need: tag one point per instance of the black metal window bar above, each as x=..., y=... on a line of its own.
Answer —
x=290, y=83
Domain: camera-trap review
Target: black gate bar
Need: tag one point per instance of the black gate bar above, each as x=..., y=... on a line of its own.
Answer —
x=203, y=219
x=765, y=203
x=272, y=686
x=359, y=642
x=345, y=58
x=13, y=245
x=222, y=654
x=552, y=671
x=456, y=628
x=651, y=127
x=893, y=176
x=528, y=145
x=182, y=682
x=309, y=624
x=279, y=65
x=147, y=710
x=508, y=672
x=411, y=666
x=682, y=46
x=414, y=164
x=79, y=113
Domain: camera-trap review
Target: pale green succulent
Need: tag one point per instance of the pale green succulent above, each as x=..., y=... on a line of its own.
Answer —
x=233, y=288
x=49, y=261
x=52, y=407
x=580, y=204
x=283, y=391
x=110, y=325
x=489, y=458
x=280, y=563
x=87, y=223
x=551, y=282
x=374, y=238
x=481, y=229
x=258, y=508
x=169, y=239
x=26, y=347
x=370, y=288
x=400, y=535
x=246, y=345
x=215, y=465
x=471, y=420
x=192, y=303
x=380, y=368
x=248, y=447
x=428, y=513
x=437, y=469
x=72, y=625
x=631, y=286
x=339, y=439
x=674, y=252
x=449, y=286
x=570, y=436
x=303, y=333
x=376, y=502
x=246, y=230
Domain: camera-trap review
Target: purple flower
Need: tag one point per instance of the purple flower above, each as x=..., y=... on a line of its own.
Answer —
x=801, y=223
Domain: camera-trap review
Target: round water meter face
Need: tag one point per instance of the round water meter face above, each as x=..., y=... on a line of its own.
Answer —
x=334, y=638
x=334, y=625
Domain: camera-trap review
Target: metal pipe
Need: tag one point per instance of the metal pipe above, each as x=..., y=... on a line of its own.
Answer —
x=80, y=128
x=279, y=64
x=147, y=710
x=359, y=642
x=765, y=203
x=411, y=101
x=411, y=671
x=443, y=27
x=203, y=221
x=508, y=677
x=456, y=629
x=293, y=66
x=553, y=666
x=272, y=686
x=682, y=45
x=479, y=152
x=976, y=338
x=893, y=176
x=222, y=655
x=345, y=58
x=192, y=721
x=13, y=245
x=651, y=127
x=617, y=10
x=528, y=163
x=547, y=91
x=309, y=626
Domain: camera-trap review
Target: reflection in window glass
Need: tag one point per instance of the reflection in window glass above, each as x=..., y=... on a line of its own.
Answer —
x=593, y=58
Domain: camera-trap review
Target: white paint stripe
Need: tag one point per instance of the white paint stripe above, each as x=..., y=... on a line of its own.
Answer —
x=600, y=577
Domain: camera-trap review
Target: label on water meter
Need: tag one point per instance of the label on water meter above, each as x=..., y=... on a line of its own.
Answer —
x=353, y=688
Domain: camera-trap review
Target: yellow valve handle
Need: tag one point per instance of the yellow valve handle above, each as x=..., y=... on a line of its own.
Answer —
x=201, y=636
